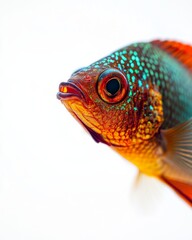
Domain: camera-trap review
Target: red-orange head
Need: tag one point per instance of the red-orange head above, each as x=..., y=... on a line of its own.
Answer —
x=113, y=105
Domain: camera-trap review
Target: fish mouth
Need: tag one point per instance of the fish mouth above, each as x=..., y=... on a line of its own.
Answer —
x=68, y=90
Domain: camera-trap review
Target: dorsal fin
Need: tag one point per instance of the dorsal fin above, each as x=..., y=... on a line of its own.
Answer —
x=181, y=52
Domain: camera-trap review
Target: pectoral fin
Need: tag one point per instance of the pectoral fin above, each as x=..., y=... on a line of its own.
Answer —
x=178, y=159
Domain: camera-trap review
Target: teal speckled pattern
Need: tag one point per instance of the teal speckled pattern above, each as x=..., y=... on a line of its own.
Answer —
x=144, y=65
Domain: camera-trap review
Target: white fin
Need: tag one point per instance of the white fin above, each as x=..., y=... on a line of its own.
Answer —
x=145, y=193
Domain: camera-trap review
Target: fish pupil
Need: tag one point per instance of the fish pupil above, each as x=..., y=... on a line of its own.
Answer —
x=112, y=86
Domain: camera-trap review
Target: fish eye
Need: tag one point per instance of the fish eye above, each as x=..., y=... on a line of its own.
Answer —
x=112, y=86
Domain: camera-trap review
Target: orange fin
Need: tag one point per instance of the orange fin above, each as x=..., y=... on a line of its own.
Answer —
x=181, y=52
x=184, y=190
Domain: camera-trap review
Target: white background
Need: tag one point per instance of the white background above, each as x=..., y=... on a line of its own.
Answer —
x=55, y=181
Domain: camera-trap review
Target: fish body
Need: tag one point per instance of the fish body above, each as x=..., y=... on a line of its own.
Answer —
x=138, y=100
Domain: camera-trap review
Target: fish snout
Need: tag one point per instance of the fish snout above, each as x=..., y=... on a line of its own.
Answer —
x=68, y=90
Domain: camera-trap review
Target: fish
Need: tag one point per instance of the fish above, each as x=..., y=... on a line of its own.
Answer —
x=138, y=101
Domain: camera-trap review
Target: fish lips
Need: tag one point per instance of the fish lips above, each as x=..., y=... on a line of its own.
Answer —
x=68, y=90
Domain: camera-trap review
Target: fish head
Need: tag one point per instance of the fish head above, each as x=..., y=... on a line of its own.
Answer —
x=108, y=105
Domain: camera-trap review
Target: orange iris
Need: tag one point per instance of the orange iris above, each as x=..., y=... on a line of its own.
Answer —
x=112, y=86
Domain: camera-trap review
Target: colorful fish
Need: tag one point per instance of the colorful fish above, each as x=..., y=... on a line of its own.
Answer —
x=138, y=101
